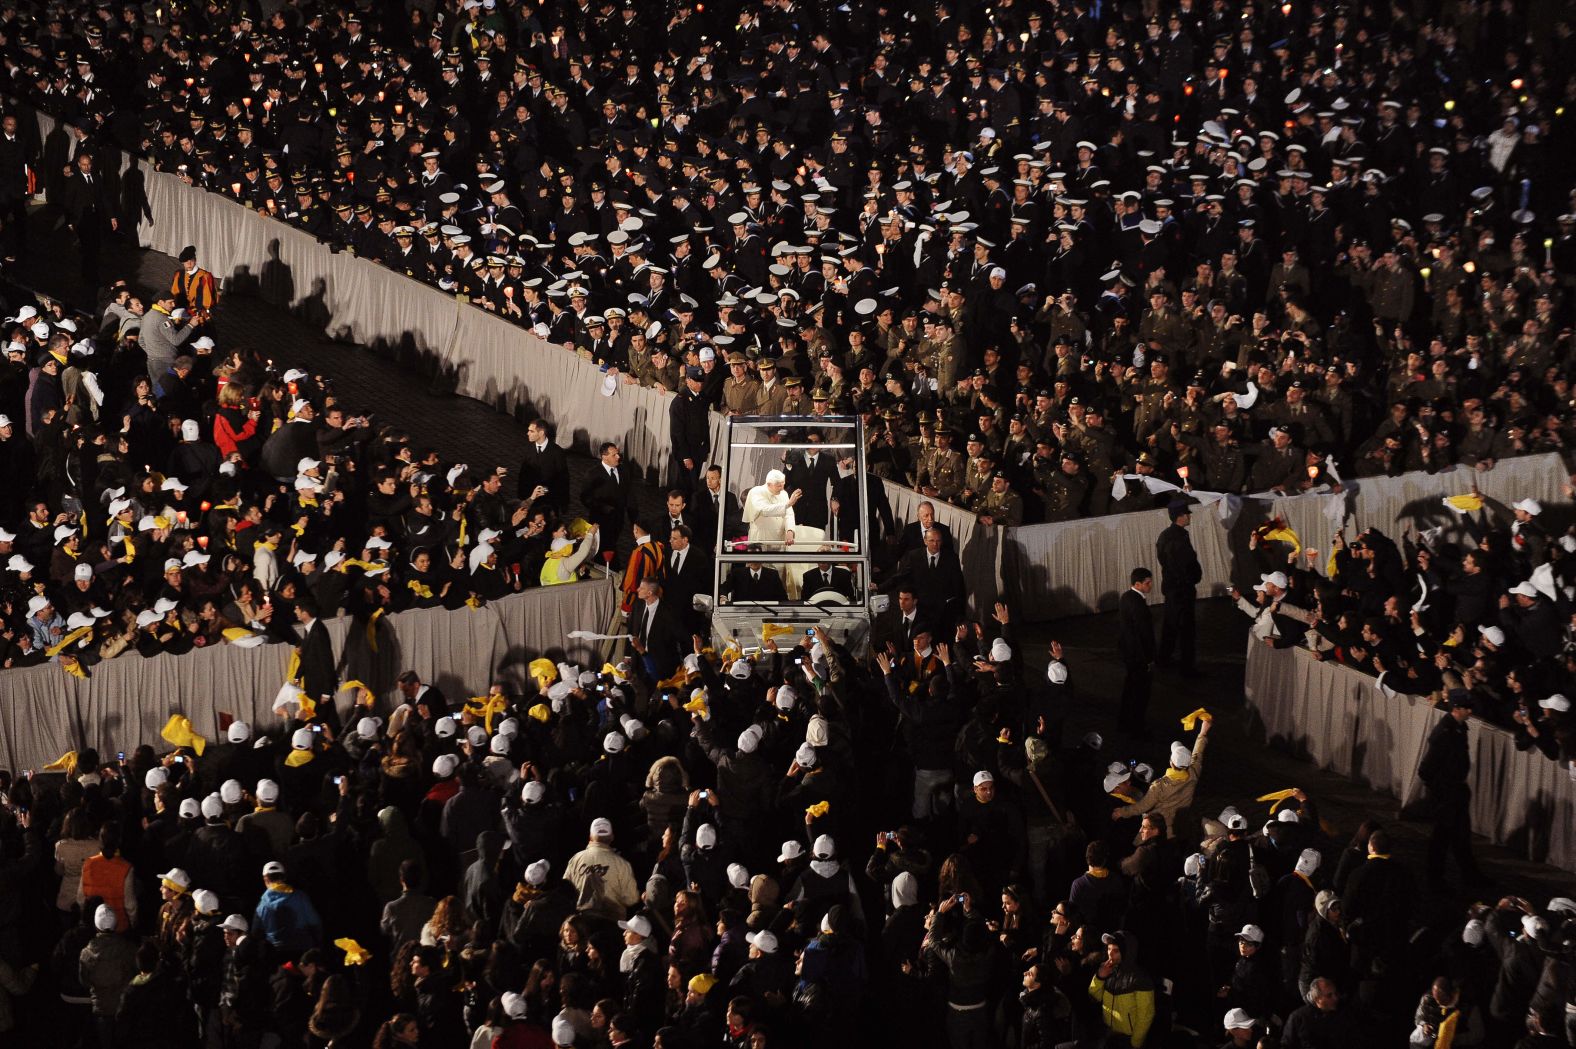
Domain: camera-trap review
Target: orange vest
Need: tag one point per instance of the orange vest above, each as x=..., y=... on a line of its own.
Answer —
x=106, y=879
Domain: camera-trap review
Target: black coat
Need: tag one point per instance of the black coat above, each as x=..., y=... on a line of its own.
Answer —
x=689, y=428
x=941, y=590
x=607, y=501
x=1136, y=642
x=834, y=577
x=666, y=641
x=741, y=586
x=319, y=676
x=813, y=507
x=694, y=577
x=549, y=468
x=1180, y=571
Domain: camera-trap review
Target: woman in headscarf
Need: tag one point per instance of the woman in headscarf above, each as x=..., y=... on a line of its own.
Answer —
x=564, y=558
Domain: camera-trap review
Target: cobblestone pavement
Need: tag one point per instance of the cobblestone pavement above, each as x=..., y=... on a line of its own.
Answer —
x=1239, y=767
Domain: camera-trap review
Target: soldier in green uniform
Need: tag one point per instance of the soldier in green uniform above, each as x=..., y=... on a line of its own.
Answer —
x=1001, y=506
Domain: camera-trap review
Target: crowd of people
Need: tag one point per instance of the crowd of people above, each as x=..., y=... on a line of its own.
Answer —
x=1036, y=247
x=1224, y=246
x=606, y=859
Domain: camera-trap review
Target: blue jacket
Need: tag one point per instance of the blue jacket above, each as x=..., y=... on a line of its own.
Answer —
x=288, y=919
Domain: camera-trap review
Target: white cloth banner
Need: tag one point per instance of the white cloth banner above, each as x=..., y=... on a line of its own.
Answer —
x=1335, y=717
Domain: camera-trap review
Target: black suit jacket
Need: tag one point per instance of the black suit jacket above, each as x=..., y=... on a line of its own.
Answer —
x=913, y=538
x=706, y=517
x=815, y=481
x=889, y=627
x=941, y=591
x=319, y=671
x=1136, y=641
x=835, y=577
x=667, y=639
x=693, y=578
x=87, y=206
x=608, y=502
x=741, y=587
x=548, y=467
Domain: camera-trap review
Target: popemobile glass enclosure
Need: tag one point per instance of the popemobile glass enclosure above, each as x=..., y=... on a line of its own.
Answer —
x=792, y=554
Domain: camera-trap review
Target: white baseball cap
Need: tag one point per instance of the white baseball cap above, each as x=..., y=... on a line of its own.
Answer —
x=1238, y=1020
x=640, y=925
x=1251, y=933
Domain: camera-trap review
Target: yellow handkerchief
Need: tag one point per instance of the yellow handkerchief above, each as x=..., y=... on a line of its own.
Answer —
x=178, y=731
x=355, y=954
x=1189, y=721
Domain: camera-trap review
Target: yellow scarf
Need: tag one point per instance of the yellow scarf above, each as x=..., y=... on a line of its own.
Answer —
x=372, y=629
x=524, y=893
x=296, y=758
x=1098, y=872
x=485, y=707
x=419, y=588
x=1177, y=775
x=131, y=549
x=67, y=641
x=70, y=665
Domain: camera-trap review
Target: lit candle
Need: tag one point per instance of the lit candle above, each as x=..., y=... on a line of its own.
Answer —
x=398, y=109
x=206, y=506
x=317, y=67
x=1313, y=471
x=202, y=541
x=180, y=515
x=235, y=187
x=1182, y=472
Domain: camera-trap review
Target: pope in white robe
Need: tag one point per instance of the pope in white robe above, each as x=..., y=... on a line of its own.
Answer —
x=768, y=510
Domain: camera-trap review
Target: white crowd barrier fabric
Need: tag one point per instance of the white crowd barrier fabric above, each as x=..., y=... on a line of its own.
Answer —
x=1336, y=718
x=127, y=700
x=1077, y=567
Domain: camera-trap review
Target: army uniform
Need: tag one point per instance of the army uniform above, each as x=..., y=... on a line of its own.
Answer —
x=1096, y=445
x=742, y=396
x=942, y=470
x=1277, y=467
x=1005, y=508
x=1149, y=408
x=1062, y=493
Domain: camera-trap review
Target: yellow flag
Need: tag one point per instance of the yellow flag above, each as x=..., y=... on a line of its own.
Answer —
x=178, y=732
x=372, y=629
x=296, y=758
x=773, y=631
x=1447, y=1030
x=1191, y=720
x=680, y=676
x=485, y=707
x=293, y=671
x=1469, y=503
x=355, y=954
x=579, y=528
x=1283, y=535
x=1275, y=797
x=67, y=641
x=66, y=763
x=698, y=705
x=819, y=809
x=71, y=666
x=540, y=712
x=543, y=671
